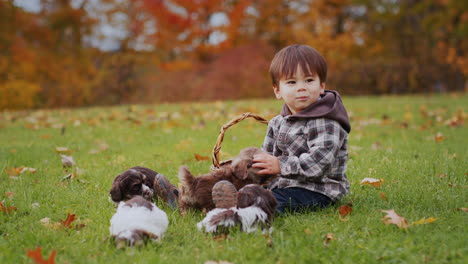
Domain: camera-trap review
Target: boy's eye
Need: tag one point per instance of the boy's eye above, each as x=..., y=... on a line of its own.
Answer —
x=290, y=82
x=310, y=80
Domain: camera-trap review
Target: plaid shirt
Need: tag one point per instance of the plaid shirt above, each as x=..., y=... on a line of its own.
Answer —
x=312, y=153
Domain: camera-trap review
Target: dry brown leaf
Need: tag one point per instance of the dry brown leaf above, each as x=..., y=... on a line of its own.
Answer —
x=442, y=175
x=101, y=146
x=463, y=209
x=62, y=150
x=20, y=170
x=328, y=237
x=439, y=137
x=9, y=194
x=307, y=231
x=424, y=220
x=200, y=158
x=372, y=182
x=393, y=218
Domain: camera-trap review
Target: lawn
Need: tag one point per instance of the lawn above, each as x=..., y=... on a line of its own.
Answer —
x=416, y=144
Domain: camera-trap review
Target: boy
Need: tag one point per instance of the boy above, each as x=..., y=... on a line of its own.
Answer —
x=306, y=145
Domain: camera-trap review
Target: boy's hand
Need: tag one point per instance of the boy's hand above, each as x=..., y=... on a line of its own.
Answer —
x=267, y=163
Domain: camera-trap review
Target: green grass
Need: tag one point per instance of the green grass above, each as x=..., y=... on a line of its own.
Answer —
x=422, y=178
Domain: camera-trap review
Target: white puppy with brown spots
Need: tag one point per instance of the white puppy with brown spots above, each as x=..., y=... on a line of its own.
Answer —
x=137, y=220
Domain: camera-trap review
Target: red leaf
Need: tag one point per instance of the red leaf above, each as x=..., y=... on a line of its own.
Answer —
x=36, y=255
x=345, y=210
x=67, y=222
x=5, y=209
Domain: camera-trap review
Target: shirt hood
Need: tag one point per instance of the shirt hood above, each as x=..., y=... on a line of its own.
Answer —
x=329, y=106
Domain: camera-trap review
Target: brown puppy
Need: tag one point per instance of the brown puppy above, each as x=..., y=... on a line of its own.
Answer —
x=132, y=182
x=196, y=192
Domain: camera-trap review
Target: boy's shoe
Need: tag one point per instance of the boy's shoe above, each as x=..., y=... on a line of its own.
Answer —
x=224, y=194
x=165, y=190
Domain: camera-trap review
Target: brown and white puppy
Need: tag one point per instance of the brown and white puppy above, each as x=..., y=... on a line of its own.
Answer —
x=255, y=210
x=132, y=182
x=136, y=221
x=196, y=192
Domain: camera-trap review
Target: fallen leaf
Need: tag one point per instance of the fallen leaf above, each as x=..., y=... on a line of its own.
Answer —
x=393, y=218
x=26, y=169
x=9, y=194
x=200, y=158
x=36, y=255
x=307, y=231
x=377, y=145
x=463, y=209
x=20, y=170
x=46, y=222
x=439, y=137
x=424, y=220
x=6, y=209
x=62, y=150
x=382, y=195
x=328, y=237
x=269, y=241
x=67, y=222
x=102, y=146
x=372, y=182
x=67, y=161
x=345, y=210
x=442, y=175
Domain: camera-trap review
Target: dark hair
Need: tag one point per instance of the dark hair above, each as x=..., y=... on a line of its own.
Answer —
x=285, y=63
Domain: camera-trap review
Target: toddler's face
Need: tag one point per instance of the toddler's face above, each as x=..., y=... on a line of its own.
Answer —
x=299, y=91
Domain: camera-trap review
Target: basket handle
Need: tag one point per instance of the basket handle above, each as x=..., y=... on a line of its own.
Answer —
x=219, y=141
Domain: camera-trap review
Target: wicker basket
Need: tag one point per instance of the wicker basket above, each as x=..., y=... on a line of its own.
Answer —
x=215, y=156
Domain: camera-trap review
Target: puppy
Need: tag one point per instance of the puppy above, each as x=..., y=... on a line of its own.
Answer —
x=196, y=192
x=137, y=220
x=255, y=209
x=132, y=182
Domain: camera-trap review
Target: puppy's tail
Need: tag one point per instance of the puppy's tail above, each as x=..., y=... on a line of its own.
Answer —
x=186, y=181
x=186, y=178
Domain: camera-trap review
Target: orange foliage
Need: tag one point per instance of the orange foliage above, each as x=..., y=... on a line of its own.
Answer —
x=47, y=58
x=36, y=255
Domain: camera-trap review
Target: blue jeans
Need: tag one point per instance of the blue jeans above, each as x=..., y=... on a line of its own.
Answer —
x=296, y=199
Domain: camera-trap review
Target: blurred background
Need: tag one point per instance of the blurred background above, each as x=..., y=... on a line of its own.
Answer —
x=70, y=53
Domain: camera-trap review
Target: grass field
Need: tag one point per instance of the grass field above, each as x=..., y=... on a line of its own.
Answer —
x=417, y=145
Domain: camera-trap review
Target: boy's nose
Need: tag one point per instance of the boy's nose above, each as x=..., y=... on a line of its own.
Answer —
x=301, y=86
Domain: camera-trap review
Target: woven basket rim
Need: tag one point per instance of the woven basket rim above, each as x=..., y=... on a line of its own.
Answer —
x=219, y=141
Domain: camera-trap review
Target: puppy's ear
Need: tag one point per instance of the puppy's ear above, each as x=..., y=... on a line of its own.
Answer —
x=241, y=168
x=115, y=192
